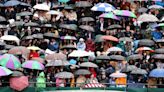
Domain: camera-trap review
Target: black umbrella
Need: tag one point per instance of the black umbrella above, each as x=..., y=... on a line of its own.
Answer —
x=135, y=57
x=158, y=56
x=38, y=36
x=49, y=26
x=52, y=35
x=82, y=72
x=146, y=42
x=159, y=51
x=69, y=47
x=69, y=26
x=87, y=28
x=103, y=57
x=114, y=26
x=86, y=19
x=24, y=13
x=117, y=57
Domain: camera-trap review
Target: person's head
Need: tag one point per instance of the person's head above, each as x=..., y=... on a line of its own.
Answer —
x=127, y=28
x=81, y=40
x=101, y=19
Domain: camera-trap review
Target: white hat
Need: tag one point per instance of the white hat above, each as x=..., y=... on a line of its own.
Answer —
x=81, y=40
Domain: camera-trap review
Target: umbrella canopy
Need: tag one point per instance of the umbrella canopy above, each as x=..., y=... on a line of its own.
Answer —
x=68, y=37
x=49, y=26
x=86, y=19
x=117, y=57
x=125, y=13
x=17, y=74
x=69, y=26
x=43, y=7
x=158, y=56
x=41, y=60
x=32, y=24
x=63, y=1
x=25, y=13
x=103, y=7
x=10, y=61
x=159, y=51
x=157, y=73
x=146, y=42
x=19, y=50
x=98, y=38
x=144, y=49
x=127, y=39
x=87, y=28
x=10, y=38
x=155, y=7
x=139, y=71
x=64, y=75
x=2, y=19
x=33, y=48
x=57, y=63
x=19, y=23
x=103, y=57
x=142, y=10
x=110, y=38
x=56, y=56
x=129, y=68
x=3, y=26
x=12, y=3
x=82, y=72
x=53, y=12
x=53, y=35
x=25, y=4
x=83, y=4
x=114, y=26
x=4, y=71
x=135, y=57
x=69, y=47
x=117, y=74
x=79, y=53
x=31, y=64
x=109, y=15
x=160, y=41
x=88, y=64
x=147, y=18
x=114, y=49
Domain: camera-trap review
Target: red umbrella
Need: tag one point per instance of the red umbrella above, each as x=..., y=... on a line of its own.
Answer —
x=110, y=38
x=19, y=83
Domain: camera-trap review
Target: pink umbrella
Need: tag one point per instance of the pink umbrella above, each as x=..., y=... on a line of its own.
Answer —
x=19, y=83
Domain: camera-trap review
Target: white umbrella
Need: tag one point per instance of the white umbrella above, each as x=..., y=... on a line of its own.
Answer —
x=79, y=53
x=114, y=49
x=117, y=74
x=155, y=7
x=42, y=7
x=53, y=12
x=33, y=48
x=10, y=38
x=147, y=18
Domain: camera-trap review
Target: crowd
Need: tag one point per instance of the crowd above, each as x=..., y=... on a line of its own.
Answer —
x=77, y=42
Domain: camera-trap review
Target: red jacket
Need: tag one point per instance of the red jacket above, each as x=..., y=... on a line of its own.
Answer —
x=90, y=46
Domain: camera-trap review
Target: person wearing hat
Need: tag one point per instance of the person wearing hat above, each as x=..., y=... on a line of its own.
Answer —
x=81, y=44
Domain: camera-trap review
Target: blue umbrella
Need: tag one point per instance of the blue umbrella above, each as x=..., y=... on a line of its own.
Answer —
x=157, y=73
x=103, y=7
x=12, y=3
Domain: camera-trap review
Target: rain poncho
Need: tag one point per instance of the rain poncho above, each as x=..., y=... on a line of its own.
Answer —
x=41, y=80
x=81, y=46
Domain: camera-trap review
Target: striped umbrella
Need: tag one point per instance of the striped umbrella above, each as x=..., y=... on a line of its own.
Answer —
x=4, y=71
x=31, y=64
x=103, y=7
x=109, y=15
x=10, y=61
x=125, y=13
x=68, y=37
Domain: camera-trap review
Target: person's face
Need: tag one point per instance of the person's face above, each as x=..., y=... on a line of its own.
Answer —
x=128, y=28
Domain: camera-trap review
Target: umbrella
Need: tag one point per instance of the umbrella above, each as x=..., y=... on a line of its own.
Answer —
x=43, y=7
x=31, y=64
x=69, y=26
x=25, y=4
x=158, y=56
x=125, y=13
x=25, y=13
x=38, y=36
x=86, y=19
x=82, y=72
x=53, y=35
x=33, y=48
x=117, y=57
x=142, y=10
x=158, y=73
x=1, y=5
x=114, y=26
x=49, y=26
x=98, y=38
x=114, y=49
x=19, y=50
x=53, y=12
x=103, y=7
x=103, y=57
x=17, y=74
x=147, y=18
x=129, y=68
x=160, y=41
x=41, y=60
x=30, y=37
x=117, y=74
x=88, y=64
x=63, y=1
x=56, y=56
x=19, y=83
x=126, y=39
x=32, y=24
x=4, y=71
x=155, y=7
x=8, y=47
x=2, y=19
x=160, y=25
x=68, y=7
x=135, y=57
x=139, y=71
x=69, y=47
x=144, y=49
x=64, y=75
x=10, y=61
x=10, y=38
x=159, y=51
x=110, y=38
x=87, y=28
x=57, y=63
x=146, y=42
x=83, y=4
x=68, y=37
x=109, y=15
x=12, y=3
x=79, y=53
x=3, y=26
x=19, y=23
